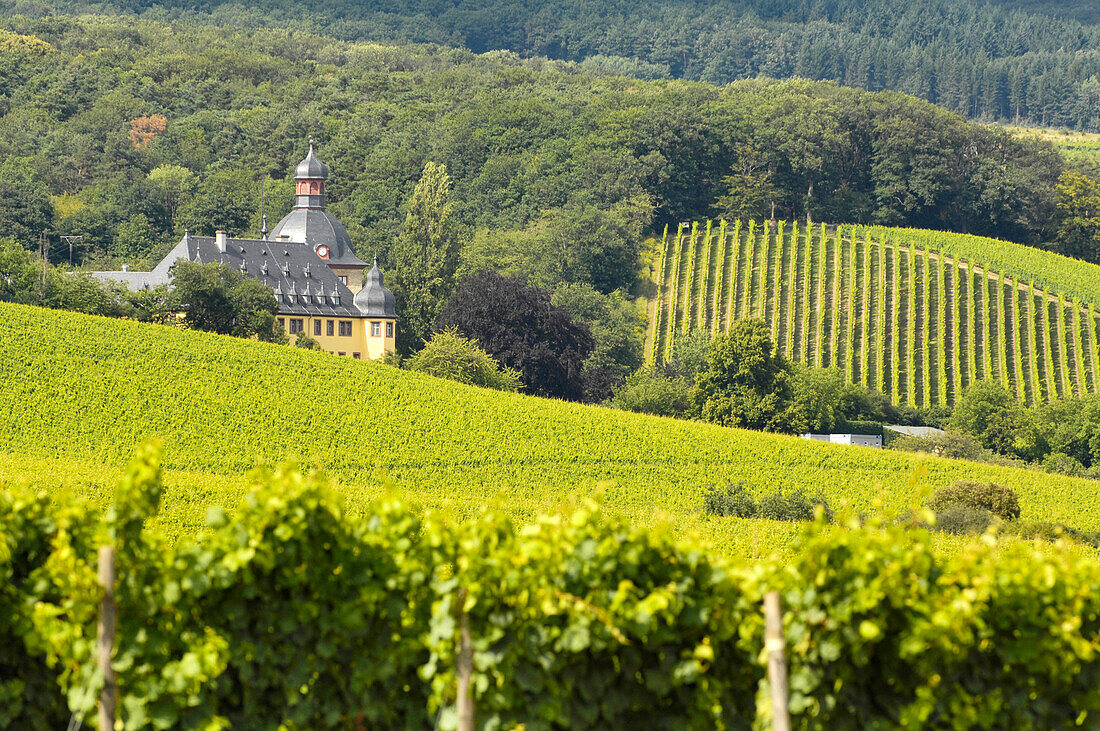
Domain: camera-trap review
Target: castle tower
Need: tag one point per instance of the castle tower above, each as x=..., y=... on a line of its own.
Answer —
x=311, y=223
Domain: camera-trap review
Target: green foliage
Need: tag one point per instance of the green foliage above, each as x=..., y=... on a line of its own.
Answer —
x=296, y=613
x=1079, y=204
x=303, y=340
x=175, y=183
x=989, y=413
x=690, y=353
x=962, y=519
x=654, y=391
x=216, y=299
x=449, y=355
x=226, y=200
x=953, y=637
x=732, y=500
x=587, y=622
x=425, y=255
x=47, y=595
x=560, y=170
x=746, y=383
x=25, y=280
x=616, y=325
x=574, y=244
x=997, y=499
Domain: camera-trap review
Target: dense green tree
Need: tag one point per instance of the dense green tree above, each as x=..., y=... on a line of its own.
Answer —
x=747, y=383
x=654, y=391
x=574, y=244
x=175, y=183
x=215, y=298
x=618, y=328
x=520, y=328
x=1071, y=427
x=690, y=354
x=425, y=256
x=1079, y=205
x=225, y=200
x=993, y=416
x=25, y=210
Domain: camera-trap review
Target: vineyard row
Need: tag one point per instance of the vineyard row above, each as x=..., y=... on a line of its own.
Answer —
x=916, y=324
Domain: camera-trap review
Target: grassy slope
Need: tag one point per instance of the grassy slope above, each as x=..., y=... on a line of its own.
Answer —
x=79, y=392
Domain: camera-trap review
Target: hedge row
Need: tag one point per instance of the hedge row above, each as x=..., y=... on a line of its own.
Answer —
x=295, y=614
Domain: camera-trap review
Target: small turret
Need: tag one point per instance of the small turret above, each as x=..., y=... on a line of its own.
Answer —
x=310, y=177
x=374, y=299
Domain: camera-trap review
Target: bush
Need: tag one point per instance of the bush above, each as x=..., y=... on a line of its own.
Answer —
x=1063, y=464
x=733, y=500
x=449, y=355
x=651, y=391
x=1043, y=530
x=963, y=519
x=305, y=341
x=997, y=499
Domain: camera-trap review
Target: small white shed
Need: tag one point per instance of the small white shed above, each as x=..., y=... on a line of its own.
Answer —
x=859, y=440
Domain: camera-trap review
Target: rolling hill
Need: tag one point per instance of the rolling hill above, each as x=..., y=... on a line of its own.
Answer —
x=80, y=391
x=918, y=315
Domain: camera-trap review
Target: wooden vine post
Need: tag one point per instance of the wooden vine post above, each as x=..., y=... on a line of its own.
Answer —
x=105, y=638
x=465, y=667
x=777, y=661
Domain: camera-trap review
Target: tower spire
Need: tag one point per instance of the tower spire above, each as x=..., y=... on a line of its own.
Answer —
x=310, y=177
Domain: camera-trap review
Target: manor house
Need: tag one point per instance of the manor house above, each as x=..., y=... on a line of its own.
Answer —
x=308, y=261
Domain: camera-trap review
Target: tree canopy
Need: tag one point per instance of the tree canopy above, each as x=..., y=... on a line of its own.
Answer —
x=557, y=170
x=747, y=382
x=521, y=328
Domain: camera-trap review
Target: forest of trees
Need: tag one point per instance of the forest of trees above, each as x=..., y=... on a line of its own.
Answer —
x=127, y=133
x=1031, y=62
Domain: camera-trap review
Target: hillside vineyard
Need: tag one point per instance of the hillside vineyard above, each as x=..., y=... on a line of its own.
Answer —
x=917, y=323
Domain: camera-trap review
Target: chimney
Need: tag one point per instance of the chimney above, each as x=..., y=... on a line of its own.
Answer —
x=125, y=267
x=222, y=240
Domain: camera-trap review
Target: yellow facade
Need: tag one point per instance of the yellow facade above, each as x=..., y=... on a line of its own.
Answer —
x=353, y=337
x=350, y=276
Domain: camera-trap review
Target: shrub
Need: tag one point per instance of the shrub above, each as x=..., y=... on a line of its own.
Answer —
x=963, y=519
x=305, y=341
x=449, y=355
x=732, y=500
x=1044, y=530
x=792, y=508
x=1063, y=464
x=997, y=499
x=651, y=391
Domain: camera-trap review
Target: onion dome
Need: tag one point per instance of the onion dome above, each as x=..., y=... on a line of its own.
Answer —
x=311, y=168
x=374, y=300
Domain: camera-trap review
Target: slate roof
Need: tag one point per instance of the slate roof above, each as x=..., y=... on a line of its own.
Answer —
x=303, y=283
x=374, y=300
x=317, y=226
x=311, y=167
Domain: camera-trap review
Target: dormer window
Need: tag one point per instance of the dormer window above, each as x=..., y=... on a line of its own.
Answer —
x=307, y=271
